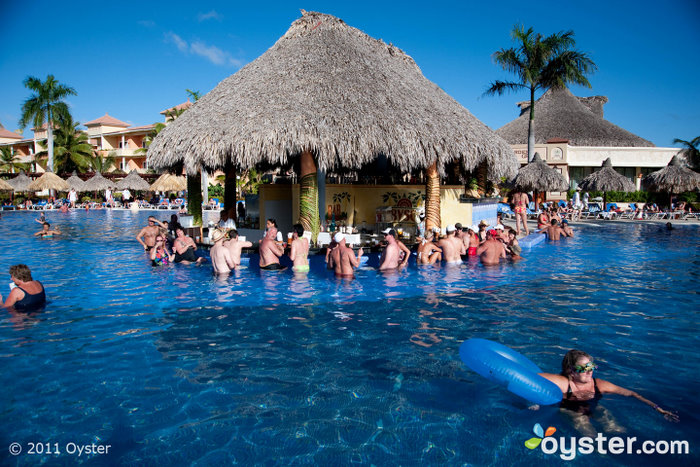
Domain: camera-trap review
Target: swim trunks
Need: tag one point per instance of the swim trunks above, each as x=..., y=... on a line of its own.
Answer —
x=457, y=261
x=301, y=268
x=188, y=255
x=273, y=267
x=472, y=251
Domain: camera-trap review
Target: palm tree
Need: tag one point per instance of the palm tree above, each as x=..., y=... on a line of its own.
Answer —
x=9, y=162
x=158, y=127
x=103, y=164
x=45, y=106
x=540, y=63
x=691, y=151
x=72, y=150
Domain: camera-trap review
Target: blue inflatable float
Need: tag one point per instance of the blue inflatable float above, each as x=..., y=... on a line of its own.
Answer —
x=508, y=368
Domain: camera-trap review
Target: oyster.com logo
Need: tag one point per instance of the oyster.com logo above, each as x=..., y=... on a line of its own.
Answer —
x=533, y=443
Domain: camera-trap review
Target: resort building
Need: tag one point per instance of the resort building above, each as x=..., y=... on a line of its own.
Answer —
x=572, y=136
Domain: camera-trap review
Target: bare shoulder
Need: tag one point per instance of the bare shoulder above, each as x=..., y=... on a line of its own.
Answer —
x=559, y=380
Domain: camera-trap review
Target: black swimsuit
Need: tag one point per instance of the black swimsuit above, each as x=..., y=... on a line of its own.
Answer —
x=29, y=301
x=585, y=407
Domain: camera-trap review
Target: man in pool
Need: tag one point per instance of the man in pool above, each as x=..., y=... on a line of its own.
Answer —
x=149, y=233
x=270, y=250
x=46, y=231
x=185, y=248
x=581, y=390
x=299, y=252
x=553, y=232
x=220, y=255
x=391, y=256
x=452, y=247
x=568, y=231
x=235, y=246
x=492, y=250
x=428, y=252
x=343, y=258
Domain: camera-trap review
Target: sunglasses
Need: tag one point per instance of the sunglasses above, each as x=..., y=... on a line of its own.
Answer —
x=590, y=366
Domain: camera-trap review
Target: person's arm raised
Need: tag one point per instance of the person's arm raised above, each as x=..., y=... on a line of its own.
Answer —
x=607, y=387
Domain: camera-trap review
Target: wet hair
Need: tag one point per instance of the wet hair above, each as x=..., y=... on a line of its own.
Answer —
x=21, y=272
x=273, y=222
x=299, y=229
x=570, y=359
x=233, y=233
x=554, y=222
x=46, y=224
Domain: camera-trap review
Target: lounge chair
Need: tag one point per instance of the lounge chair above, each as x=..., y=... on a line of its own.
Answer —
x=505, y=210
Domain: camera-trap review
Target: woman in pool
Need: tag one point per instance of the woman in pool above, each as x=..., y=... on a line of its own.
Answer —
x=581, y=391
x=26, y=294
x=160, y=256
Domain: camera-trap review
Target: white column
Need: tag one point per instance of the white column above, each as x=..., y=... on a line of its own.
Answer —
x=205, y=188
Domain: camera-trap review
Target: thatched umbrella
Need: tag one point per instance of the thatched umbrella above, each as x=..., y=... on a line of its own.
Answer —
x=335, y=97
x=5, y=186
x=76, y=183
x=537, y=176
x=168, y=182
x=49, y=181
x=674, y=178
x=20, y=183
x=98, y=183
x=133, y=182
x=607, y=179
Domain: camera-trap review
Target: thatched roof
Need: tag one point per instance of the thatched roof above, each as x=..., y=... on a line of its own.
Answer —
x=77, y=183
x=607, y=179
x=97, y=183
x=133, y=182
x=560, y=114
x=330, y=88
x=168, y=182
x=538, y=176
x=674, y=178
x=49, y=181
x=20, y=182
x=5, y=186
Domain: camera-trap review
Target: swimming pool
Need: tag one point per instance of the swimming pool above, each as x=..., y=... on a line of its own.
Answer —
x=171, y=366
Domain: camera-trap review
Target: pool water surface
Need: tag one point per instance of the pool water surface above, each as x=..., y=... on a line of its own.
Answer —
x=172, y=366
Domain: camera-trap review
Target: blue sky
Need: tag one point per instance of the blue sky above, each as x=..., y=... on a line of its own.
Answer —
x=134, y=59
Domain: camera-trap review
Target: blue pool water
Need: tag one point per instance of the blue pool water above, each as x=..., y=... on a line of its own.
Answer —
x=171, y=366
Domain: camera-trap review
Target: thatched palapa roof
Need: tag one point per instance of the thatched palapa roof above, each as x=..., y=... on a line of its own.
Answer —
x=538, y=176
x=560, y=114
x=168, y=182
x=75, y=182
x=607, y=179
x=20, y=182
x=133, y=182
x=4, y=186
x=97, y=183
x=329, y=88
x=49, y=181
x=674, y=178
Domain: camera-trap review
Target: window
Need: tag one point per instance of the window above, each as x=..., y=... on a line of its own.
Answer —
x=145, y=165
x=629, y=172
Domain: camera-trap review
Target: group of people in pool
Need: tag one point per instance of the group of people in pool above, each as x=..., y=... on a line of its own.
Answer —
x=159, y=238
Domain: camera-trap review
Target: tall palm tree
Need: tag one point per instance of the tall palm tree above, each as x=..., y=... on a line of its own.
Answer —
x=46, y=105
x=72, y=150
x=691, y=151
x=540, y=63
x=103, y=164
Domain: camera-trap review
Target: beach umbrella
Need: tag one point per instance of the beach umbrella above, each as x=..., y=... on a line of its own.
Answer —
x=98, y=183
x=168, y=182
x=538, y=176
x=75, y=182
x=20, y=182
x=606, y=179
x=49, y=181
x=674, y=178
x=133, y=182
x=5, y=186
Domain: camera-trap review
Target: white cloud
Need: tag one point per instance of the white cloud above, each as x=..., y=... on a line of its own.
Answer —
x=210, y=15
x=210, y=52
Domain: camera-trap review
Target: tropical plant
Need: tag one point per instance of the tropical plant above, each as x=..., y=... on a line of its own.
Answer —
x=101, y=163
x=46, y=105
x=691, y=151
x=9, y=162
x=157, y=128
x=71, y=147
x=249, y=182
x=540, y=63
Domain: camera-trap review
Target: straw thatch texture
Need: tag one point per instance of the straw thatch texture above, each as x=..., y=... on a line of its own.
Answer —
x=133, y=181
x=49, y=181
x=559, y=114
x=168, y=182
x=77, y=183
x=607, y=179
x=97, y=183
x=538, y=176
x=4, y=186
x=20, y=182
x=329, y=88
x=674, y=178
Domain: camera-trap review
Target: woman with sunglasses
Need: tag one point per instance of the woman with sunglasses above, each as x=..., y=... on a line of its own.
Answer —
x=581, y=390
x=160, y=256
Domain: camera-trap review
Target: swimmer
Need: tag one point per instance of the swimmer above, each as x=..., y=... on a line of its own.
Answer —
x=452, y=247
x=542, y=221
x=299, y=251
x=428, y=252
x=160, y=256
x=235, y=246
x=474, y=241
x=553, y=232
x=392, y=255
x=581, y=390
x=492, y=250
x=41, y=219
x=568, y=231
x=221, y=259
x=343, y=258
x=513, y=248
x=185, y=248
x=270, y=250
x=26, y=293
x=46, y=231
x=149, y=233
